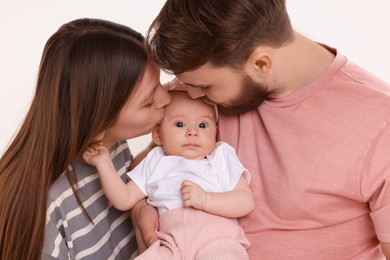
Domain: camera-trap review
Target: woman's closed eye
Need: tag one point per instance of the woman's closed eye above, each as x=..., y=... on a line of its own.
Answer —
x=150, y=103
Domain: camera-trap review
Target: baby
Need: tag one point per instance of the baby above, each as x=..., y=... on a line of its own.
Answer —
x=197, y=184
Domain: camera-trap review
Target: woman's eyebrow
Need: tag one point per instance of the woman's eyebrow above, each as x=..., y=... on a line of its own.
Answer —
x=151, y=93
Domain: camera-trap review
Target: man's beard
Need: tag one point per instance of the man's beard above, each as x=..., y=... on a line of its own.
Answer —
x=251, y=96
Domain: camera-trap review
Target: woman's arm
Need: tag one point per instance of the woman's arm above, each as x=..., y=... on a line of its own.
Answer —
x=233, y=204
x=143, y=216
x=145, y=222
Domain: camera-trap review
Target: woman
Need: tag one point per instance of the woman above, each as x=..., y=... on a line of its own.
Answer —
x=94, y=77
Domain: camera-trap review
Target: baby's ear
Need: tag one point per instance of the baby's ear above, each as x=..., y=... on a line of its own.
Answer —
x=156, y=135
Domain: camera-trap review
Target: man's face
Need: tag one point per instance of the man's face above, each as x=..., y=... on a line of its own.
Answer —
x=235, y=92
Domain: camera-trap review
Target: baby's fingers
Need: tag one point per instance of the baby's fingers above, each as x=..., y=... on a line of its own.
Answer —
x=96, y=146
x=186, y=183
x=90, y=150
x=86, y=155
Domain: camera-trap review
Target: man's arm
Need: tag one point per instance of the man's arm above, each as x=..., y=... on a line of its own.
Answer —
x=386, y=249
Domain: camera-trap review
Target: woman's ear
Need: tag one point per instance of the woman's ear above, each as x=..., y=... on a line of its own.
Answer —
x=156, y=135
x=100, y=136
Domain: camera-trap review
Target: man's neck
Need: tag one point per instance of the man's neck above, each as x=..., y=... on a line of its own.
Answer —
x=301, y=62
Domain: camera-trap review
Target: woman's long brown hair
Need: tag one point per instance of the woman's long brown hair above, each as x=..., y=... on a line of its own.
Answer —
x=88, y=71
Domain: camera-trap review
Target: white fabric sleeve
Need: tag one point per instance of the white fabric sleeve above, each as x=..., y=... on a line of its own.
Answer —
x=229, y=166
x=141, y=173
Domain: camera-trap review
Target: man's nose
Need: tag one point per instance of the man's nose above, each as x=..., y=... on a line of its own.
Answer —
x=195, y=92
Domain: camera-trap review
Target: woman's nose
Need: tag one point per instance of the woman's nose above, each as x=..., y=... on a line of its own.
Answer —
x=195, y=92
x=162, y=97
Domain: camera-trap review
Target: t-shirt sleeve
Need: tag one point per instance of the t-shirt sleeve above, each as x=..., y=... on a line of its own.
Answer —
x=141, y=173
x=375, y=183
x=230, y=167
x=54, y=246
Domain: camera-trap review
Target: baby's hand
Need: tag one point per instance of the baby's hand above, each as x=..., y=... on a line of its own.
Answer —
x=96, y=153
x=193, y=195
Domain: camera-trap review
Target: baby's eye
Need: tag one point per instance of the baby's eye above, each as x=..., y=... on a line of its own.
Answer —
x=202, y=125
x=180, y=124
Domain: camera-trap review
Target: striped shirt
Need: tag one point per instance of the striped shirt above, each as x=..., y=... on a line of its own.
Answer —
x=69, y=234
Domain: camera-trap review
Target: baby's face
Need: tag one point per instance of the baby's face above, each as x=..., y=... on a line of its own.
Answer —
x=189, y=127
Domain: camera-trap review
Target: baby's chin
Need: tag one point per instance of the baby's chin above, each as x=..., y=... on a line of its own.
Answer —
x=193, y=156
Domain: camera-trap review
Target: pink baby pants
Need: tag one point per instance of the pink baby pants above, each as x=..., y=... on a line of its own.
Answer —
x=187, y=233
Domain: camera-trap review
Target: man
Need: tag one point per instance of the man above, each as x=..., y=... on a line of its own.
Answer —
x=312, y=127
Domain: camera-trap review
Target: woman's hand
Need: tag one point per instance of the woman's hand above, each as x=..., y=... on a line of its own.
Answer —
x=145, y=222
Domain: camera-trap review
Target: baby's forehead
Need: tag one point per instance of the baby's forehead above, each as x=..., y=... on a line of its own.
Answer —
x=183, y=99
x=179, y=94
x=182, y=104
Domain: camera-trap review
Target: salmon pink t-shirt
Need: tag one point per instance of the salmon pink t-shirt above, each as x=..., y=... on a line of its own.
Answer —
x=320, y=165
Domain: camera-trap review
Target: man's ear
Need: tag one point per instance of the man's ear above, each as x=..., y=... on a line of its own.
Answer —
x=260, y=62
x=156, y=135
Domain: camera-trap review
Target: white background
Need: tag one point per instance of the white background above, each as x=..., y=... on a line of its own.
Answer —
x=359, y=29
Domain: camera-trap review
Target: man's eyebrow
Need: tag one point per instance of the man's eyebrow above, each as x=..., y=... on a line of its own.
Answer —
x=195, y=86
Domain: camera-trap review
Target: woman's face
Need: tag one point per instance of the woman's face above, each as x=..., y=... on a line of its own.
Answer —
x=143, y=111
